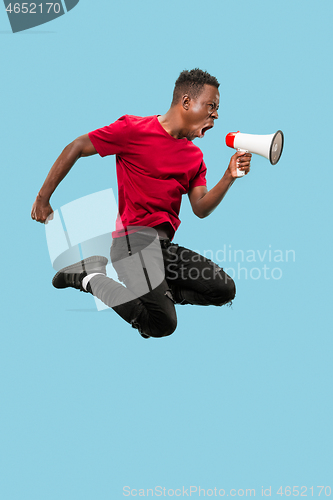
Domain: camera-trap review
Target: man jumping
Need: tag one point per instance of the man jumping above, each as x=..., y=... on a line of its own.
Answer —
x=157, y=163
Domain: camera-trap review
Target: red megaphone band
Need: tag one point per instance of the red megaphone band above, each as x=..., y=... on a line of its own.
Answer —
x=230, y=139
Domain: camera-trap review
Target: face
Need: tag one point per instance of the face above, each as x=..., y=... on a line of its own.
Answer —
x=201, y=112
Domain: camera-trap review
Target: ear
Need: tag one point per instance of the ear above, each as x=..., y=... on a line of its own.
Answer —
x=186, y=101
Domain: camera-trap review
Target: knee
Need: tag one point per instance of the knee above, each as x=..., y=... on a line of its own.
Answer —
x=226, y=292
x=165, y=327
x=230, y=290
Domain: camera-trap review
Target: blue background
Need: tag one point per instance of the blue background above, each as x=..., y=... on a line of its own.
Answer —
x=235, y=398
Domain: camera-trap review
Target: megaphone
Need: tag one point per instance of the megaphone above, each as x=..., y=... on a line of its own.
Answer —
x=270, y=146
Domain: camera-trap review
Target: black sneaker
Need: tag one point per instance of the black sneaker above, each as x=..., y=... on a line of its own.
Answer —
x=73, y=275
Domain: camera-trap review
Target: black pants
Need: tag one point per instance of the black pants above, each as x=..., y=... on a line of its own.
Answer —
x=159, y=274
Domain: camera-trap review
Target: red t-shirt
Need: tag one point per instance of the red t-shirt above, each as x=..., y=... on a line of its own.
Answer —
x=154, y=170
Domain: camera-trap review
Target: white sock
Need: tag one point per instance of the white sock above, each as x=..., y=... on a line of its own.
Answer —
x=87, y=278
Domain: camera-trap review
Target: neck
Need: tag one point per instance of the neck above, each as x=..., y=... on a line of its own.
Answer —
x=172, y=123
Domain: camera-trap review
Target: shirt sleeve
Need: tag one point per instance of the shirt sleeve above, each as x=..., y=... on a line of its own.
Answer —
x=200, y=178
x=112, y=139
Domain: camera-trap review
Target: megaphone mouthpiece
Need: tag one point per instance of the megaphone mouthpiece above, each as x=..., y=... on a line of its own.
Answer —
x=230, y=139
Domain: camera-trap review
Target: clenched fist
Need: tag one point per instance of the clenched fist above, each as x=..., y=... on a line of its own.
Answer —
x=240, y=160
x=41, y=210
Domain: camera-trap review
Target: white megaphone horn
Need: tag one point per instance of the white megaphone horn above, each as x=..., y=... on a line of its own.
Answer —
x=270, y=146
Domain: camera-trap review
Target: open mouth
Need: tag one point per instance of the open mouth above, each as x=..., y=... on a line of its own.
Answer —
x=204, y=130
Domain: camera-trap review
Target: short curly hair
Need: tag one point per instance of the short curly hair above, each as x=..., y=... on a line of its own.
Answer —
x=192, y=83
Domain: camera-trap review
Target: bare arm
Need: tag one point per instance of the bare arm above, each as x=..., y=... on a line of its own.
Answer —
x=204, y=202
x=82, y=146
